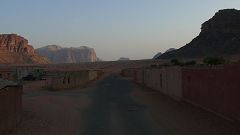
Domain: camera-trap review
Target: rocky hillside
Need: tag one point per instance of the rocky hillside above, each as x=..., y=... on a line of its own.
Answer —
x=170, y=49
x=15, y=49
x=220, y=36
x=157, y=55
x=58, y=54
x=160, y=53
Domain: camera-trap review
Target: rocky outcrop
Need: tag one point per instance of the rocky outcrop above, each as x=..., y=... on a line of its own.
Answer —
x=58, y=54
x=157, y=55
x=225, y=21
x=15, y=43
x=15, y=49
x=219, y=36
x=170, y=49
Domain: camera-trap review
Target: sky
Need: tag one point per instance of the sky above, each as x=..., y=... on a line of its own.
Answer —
x=137, y=29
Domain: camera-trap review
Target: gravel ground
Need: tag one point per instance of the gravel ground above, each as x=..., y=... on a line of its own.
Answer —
x=51, y=113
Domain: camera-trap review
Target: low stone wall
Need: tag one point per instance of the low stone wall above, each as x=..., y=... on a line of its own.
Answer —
x=10, y=108
x=70, y=79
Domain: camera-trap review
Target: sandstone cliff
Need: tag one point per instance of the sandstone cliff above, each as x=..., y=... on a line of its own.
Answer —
x=220, y=36
x=15, y=49
x=58, y=54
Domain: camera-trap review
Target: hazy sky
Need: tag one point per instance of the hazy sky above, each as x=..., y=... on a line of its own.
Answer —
x=137, y=29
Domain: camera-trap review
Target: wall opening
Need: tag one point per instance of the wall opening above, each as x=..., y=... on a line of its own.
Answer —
x=69, y=80
x=64, y=78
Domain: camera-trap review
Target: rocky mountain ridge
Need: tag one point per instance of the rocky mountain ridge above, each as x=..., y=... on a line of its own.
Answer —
x=219, y=36
x=58, y=54
x=14, y=49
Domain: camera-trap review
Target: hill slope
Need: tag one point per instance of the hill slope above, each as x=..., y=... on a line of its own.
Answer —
x=220, y=36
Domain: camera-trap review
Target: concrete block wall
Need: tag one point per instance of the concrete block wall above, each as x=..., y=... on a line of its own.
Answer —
x=10, y=108
x=70, y=79
x=165, y=80
x=131, y=72
x=214, y=89
x=152, y=78
x=174, y=82
x=139, y=76
x=93, y=75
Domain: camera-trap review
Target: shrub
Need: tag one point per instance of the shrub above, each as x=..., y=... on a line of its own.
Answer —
x=214, y=60
x=154, y=66
x=189, y=63
x=175, y=62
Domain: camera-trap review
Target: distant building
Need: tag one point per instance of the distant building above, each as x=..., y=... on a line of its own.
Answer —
x=7, y=73
x=23, y=71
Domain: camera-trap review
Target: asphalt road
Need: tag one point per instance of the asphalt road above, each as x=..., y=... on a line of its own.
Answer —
x=114, y=111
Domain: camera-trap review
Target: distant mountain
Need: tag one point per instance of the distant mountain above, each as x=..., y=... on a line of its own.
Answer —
x=58, y=54
x=123, y=59
x=170, y=50
x=157, y=55
x=219, y=36
x=15, y=49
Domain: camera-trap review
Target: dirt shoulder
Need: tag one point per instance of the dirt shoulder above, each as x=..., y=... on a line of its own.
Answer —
x=51, y=113
x=182, y=118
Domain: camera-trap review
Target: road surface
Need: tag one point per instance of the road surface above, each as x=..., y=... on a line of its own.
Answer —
x=115, y=112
